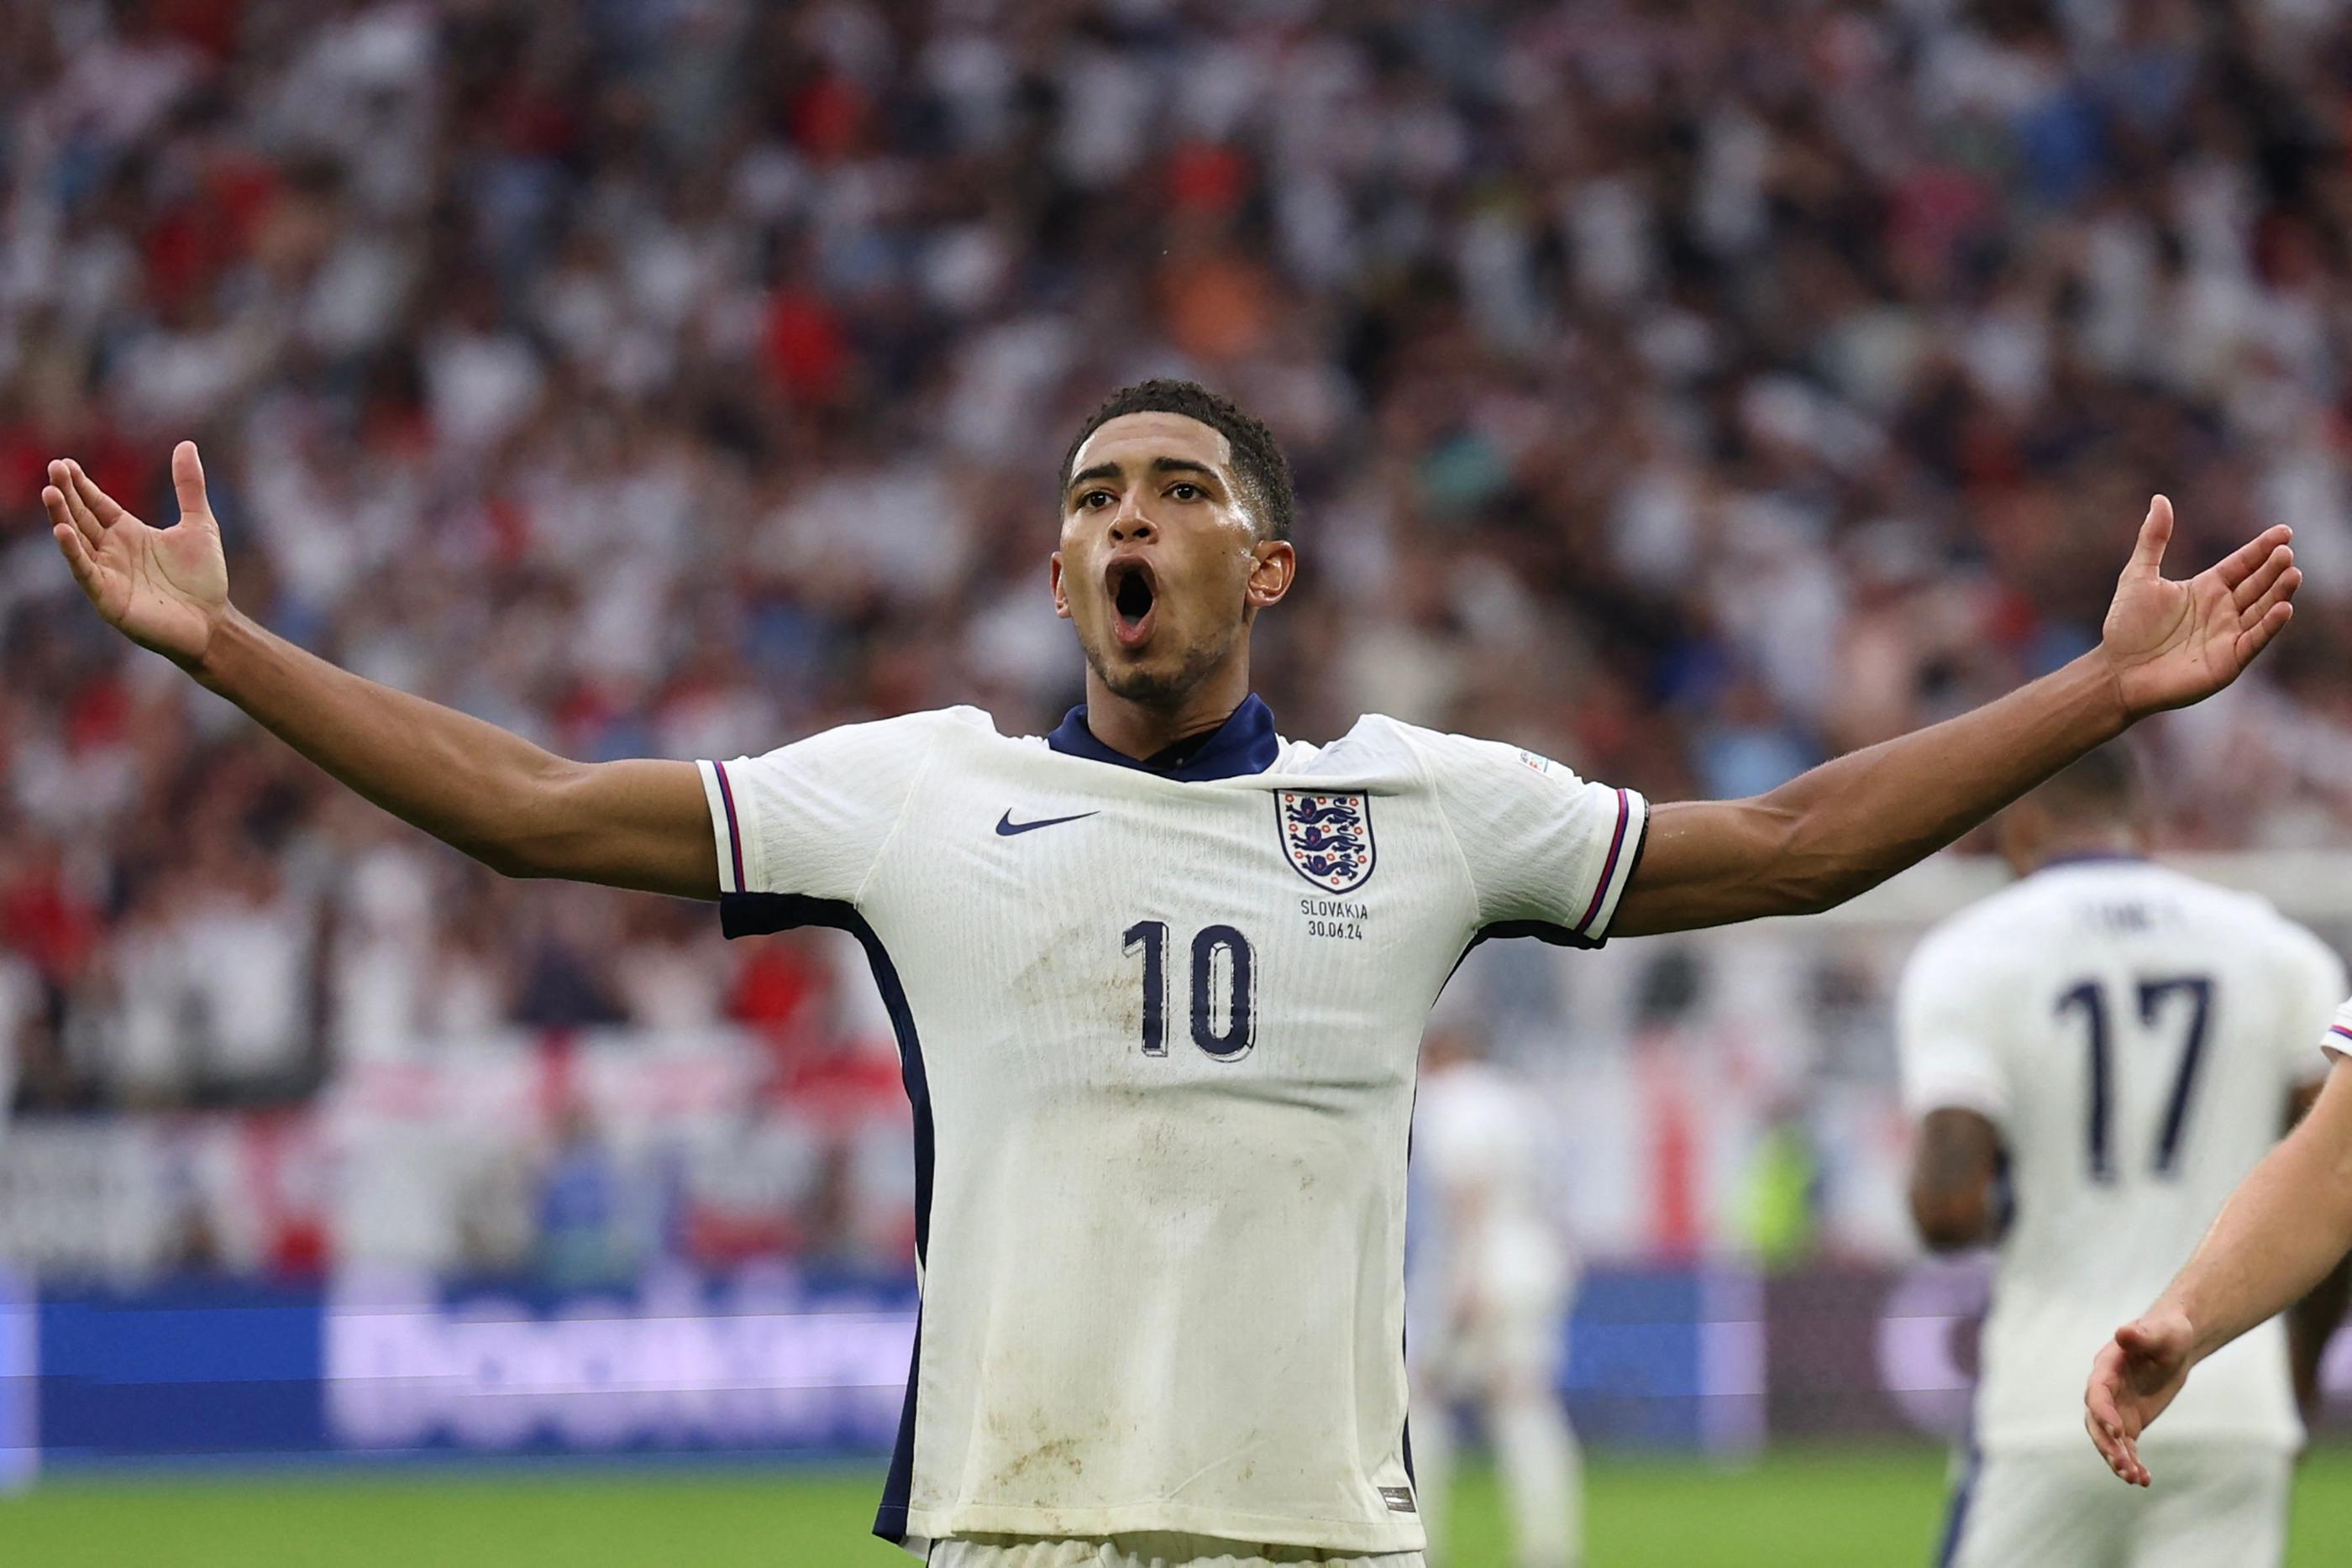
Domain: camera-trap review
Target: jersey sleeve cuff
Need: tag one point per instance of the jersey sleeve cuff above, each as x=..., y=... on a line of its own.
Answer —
x=718, y=791
x=1625, y=841
x=2337, y=1043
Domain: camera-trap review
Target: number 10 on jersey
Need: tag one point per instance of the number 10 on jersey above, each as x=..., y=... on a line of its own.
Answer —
x=1224, y=993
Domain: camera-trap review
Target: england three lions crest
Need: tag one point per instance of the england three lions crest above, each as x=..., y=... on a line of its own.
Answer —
x=1329, y=837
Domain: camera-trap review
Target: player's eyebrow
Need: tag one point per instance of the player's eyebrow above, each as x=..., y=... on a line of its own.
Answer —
x=1159, y=466
x=1182, y=466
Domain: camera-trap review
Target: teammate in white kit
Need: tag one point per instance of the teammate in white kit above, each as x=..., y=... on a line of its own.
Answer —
x=1159, y=977
x=1489, y=1277
x=2281, y=1238
x=2098, y=1054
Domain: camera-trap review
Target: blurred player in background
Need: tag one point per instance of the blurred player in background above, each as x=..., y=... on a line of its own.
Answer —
x=2097, y=1055
x=1160, y=977
x=1489, y=1279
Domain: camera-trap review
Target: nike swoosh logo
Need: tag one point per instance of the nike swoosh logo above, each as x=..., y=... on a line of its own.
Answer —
x=1006, y=827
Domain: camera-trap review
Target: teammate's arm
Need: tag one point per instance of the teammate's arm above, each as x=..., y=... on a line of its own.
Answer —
x=1851, y=823
x=1955, y=1173
x=501, y=799
x=2312, y=1321
x=2288, y=1223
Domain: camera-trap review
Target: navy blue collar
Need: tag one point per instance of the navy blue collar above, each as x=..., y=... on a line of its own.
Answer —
x=1245, y=744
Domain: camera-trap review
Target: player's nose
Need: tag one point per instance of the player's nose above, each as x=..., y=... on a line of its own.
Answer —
x=1129, y=525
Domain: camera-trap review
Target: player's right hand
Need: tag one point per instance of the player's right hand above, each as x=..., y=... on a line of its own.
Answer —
x=2133, y=1378
x=165, y=589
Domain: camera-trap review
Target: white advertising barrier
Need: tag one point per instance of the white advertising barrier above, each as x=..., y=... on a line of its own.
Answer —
x=386, y=1167
x=88, y=1199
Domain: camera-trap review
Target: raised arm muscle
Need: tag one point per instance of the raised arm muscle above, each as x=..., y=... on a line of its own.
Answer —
x=1851, y=823
x=509, y=804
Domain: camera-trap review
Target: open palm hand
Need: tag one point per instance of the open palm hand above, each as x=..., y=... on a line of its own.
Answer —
x=2175, y=642
x=2132, y=1379
x=165, y=589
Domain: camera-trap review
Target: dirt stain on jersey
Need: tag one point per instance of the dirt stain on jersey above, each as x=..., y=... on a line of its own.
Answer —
x=1062, y=1455
x=1041, y=1465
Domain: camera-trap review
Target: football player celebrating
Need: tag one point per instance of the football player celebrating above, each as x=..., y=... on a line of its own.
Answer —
x=1158, y=976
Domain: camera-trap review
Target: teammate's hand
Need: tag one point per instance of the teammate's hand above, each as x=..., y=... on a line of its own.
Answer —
x=2172, y=644
x=2133, y=1378
x=165, y=589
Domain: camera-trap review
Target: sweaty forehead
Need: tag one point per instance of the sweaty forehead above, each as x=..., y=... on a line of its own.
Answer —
x=1133, y=440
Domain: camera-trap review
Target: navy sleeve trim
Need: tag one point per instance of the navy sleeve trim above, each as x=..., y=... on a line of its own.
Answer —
x=1609, y=866
x=1558, y=936
x=734, y=825
x=1633, y=867
x=1641, y=847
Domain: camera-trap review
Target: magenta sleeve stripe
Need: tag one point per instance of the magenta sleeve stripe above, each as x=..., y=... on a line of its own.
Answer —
x=1608, y=867
x=734, y=832
x=2339, y=1029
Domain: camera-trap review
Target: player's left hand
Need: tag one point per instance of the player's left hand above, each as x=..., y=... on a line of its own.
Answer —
x=2133, y=1378
x=2172, y=644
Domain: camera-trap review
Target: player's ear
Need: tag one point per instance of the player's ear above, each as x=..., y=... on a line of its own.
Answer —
x=1276, y=567
x=1053, y=574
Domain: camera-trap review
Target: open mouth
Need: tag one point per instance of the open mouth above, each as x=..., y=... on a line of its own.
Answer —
x=1134, y=591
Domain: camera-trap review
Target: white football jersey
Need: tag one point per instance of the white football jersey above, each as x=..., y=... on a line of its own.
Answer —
x=1159, y=1023
x=2135, y=1034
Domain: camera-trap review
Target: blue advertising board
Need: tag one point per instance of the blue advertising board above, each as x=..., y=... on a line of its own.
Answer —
x=190, y=1368
x=762, y=1363
x=20, y=1451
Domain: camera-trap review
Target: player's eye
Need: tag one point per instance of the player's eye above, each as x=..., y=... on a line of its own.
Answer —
x=1187, y=491
x=1096, y=500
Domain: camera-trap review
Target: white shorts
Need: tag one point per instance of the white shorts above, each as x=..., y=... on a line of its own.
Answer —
x=2211, y=1507
x=1156, y=1549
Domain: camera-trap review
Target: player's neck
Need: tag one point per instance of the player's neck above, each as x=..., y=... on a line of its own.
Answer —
x=2121, y=844
x=1143, y=730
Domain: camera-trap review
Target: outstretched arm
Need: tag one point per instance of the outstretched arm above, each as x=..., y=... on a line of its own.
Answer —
x=2285, y=1226
x=2312, y=1321
x=1850, y=824
x=509, y=804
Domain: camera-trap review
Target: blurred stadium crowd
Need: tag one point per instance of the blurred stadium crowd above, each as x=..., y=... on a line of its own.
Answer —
x=1687, y=391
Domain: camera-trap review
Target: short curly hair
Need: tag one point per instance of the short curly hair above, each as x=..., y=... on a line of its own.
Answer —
x=1259, y=466
x=2106, y=785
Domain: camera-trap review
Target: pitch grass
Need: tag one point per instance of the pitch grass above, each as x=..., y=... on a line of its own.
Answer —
x=1830, y=1508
